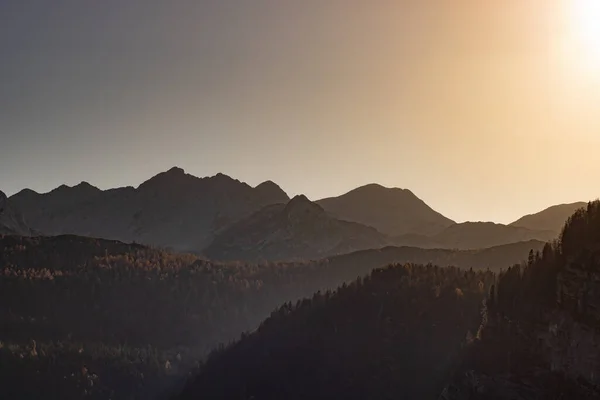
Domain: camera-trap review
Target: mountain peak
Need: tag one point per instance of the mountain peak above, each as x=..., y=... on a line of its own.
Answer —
x=299, y=199
x=26, y=193
x=270, y=190
x=221, y=177
x=300, y=204
x=82, y=188
x=175, y=171
x=225, y=183
x=267, y=184
x=377, y=188
x=371, y=186
x=392, y=211
x=551, y=218
x=173, y=177
x=85, y=186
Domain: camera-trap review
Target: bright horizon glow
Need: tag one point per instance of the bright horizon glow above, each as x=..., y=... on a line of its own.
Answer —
x=586, y=30
x=486, y=110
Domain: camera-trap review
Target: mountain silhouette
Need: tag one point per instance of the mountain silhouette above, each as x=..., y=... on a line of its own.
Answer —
x=550, y=219
x=182, y=212
x=391, y=211
x=172, y=209
x=11, y=220
x=299, y=229
x=477, y=235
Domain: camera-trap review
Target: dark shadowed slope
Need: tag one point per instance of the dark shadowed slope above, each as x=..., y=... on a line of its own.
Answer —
x=550, y=219
x=392, y=211
x=299, y=229
x=391, y=335
x=494, y=258
x=172, y=209
x=231, y=220
x=142, y=317
x=11, y=220
x=474, y=235
x=477, y=235
x=540, y=329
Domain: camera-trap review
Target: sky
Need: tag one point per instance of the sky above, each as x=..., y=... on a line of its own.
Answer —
x=484, y=109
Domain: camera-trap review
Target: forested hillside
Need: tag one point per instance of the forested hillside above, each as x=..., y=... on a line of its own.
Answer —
x=130, y=319
x=106, y=319
x=393, y=334
x=540, y=336
x=138, y=319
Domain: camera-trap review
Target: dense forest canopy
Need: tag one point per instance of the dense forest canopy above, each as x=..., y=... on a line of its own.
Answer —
x=540, y=335
x=76, y=302
x=561, y=275
x=393, y=334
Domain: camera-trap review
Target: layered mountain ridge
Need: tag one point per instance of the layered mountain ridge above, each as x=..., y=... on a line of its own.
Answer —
x=392, y=211
x=172, y=209
x=299, y=229
x=226, y=218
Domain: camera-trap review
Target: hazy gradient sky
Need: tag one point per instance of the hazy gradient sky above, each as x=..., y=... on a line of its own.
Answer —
x=484, y=109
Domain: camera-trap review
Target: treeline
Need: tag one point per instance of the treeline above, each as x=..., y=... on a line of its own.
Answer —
x=523, y=322
x=562, y=276
x=136, y=318
x=393, y=334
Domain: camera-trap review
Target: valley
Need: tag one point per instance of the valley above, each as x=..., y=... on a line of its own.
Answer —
x=112, y=318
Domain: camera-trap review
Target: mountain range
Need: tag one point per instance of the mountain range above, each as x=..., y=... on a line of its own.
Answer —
x=419, y=331
x=299, y=229
x=173, y=209
x=224, y=218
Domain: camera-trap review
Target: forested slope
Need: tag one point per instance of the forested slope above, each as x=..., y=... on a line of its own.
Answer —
x=393, y=334
x=540, y=335
x=106, y=317
x=131, y=319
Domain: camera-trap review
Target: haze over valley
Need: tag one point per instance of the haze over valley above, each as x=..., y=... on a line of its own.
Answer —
x=229, y=200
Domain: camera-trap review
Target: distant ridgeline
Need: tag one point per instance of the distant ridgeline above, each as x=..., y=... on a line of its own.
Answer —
x=226, y=219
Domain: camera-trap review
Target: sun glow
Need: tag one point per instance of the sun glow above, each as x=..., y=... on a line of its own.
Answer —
x=585, y=24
